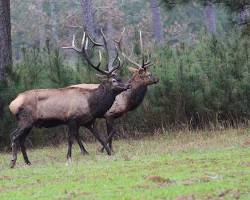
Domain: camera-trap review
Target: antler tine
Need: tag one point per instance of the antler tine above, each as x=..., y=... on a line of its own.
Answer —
x=141, y=46
x=141, y=43
x=108, y=55
x=120, y=40
x=123, y=54
x=105, y=45
x=73, y=46
x=83, y=51
x=94, y=43
x=146, y=63
x=119, y=62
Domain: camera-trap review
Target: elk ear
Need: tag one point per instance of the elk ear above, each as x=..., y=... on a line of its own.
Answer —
x=101, y=77
x=132, y=69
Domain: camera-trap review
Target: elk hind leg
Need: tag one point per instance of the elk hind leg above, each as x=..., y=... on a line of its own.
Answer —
x=15, y=137
x=111, y=132
x=70, y=142
x=93, y=130
x=22, y=146
x=18, y=136
x=83, y=150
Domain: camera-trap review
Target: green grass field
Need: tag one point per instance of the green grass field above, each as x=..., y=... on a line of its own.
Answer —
x=185, y=165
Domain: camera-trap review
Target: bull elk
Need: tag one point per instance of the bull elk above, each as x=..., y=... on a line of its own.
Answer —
x=73, y=107
x=130, y=99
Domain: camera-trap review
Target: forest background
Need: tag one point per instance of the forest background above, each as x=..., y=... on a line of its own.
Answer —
x=200, y=51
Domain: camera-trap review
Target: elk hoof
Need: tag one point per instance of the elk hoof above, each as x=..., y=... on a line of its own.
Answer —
x=12, y=163
x=102, y=150
x=28, y=163
x=69, y=161
x=109, y=152
x=84, y=153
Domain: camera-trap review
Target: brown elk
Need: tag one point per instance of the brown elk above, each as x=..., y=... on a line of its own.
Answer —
x=73, y=107
x=131, y=98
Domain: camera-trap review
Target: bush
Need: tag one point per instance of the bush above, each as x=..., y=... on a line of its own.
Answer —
x=203, y=84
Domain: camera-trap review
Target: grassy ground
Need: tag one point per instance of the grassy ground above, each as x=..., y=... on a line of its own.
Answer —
x=198, y=165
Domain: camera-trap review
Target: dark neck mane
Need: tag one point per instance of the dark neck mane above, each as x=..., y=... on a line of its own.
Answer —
x=101, y=100
x=136, y=95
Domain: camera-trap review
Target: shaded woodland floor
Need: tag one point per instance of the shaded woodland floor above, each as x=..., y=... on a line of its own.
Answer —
x=181, y=165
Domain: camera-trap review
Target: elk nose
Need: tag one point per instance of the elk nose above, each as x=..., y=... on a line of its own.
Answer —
x=157, y=80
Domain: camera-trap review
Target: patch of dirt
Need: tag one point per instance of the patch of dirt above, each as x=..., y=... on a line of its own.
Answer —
x=188, y=197
x=159, y=179
x=224, y=193
x=235, y=194
x=205, y=178
x=5, y=178
x=189, y=182
x=246, y=143
x=245, y=164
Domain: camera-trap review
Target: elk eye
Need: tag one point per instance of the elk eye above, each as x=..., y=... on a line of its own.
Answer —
x=113, y=80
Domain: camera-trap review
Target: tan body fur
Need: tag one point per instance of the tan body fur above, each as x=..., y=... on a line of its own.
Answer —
x=41, y=104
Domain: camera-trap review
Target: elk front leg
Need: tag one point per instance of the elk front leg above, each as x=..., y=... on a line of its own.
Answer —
x=111, y=132
x=71, y=129
x=93, y=130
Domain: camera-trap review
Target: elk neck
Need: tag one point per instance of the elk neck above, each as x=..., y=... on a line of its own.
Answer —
x=136, y=94
x=102, y=99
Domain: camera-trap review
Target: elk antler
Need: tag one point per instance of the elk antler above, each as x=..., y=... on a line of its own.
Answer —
x=83, y=50
x=108, y=55
x=144, y=64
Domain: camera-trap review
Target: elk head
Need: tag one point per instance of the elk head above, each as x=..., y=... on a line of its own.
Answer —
x=109, y=79
x=141, y=73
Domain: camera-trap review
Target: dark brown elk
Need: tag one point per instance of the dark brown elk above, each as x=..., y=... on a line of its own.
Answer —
x=73, y=107
x=131, y=98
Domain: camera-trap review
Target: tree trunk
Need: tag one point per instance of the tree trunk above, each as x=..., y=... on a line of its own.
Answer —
x=110, y=33
x=156, y=21
x=5, y=39
x=1, y=108
x=88, y=21
x=53, y=23
x=244, y=15
x=210, y=17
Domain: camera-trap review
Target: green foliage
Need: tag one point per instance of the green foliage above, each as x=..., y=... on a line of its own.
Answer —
x=201, y=85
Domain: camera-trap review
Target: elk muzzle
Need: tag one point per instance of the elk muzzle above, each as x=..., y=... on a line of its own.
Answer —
x=154, y=80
